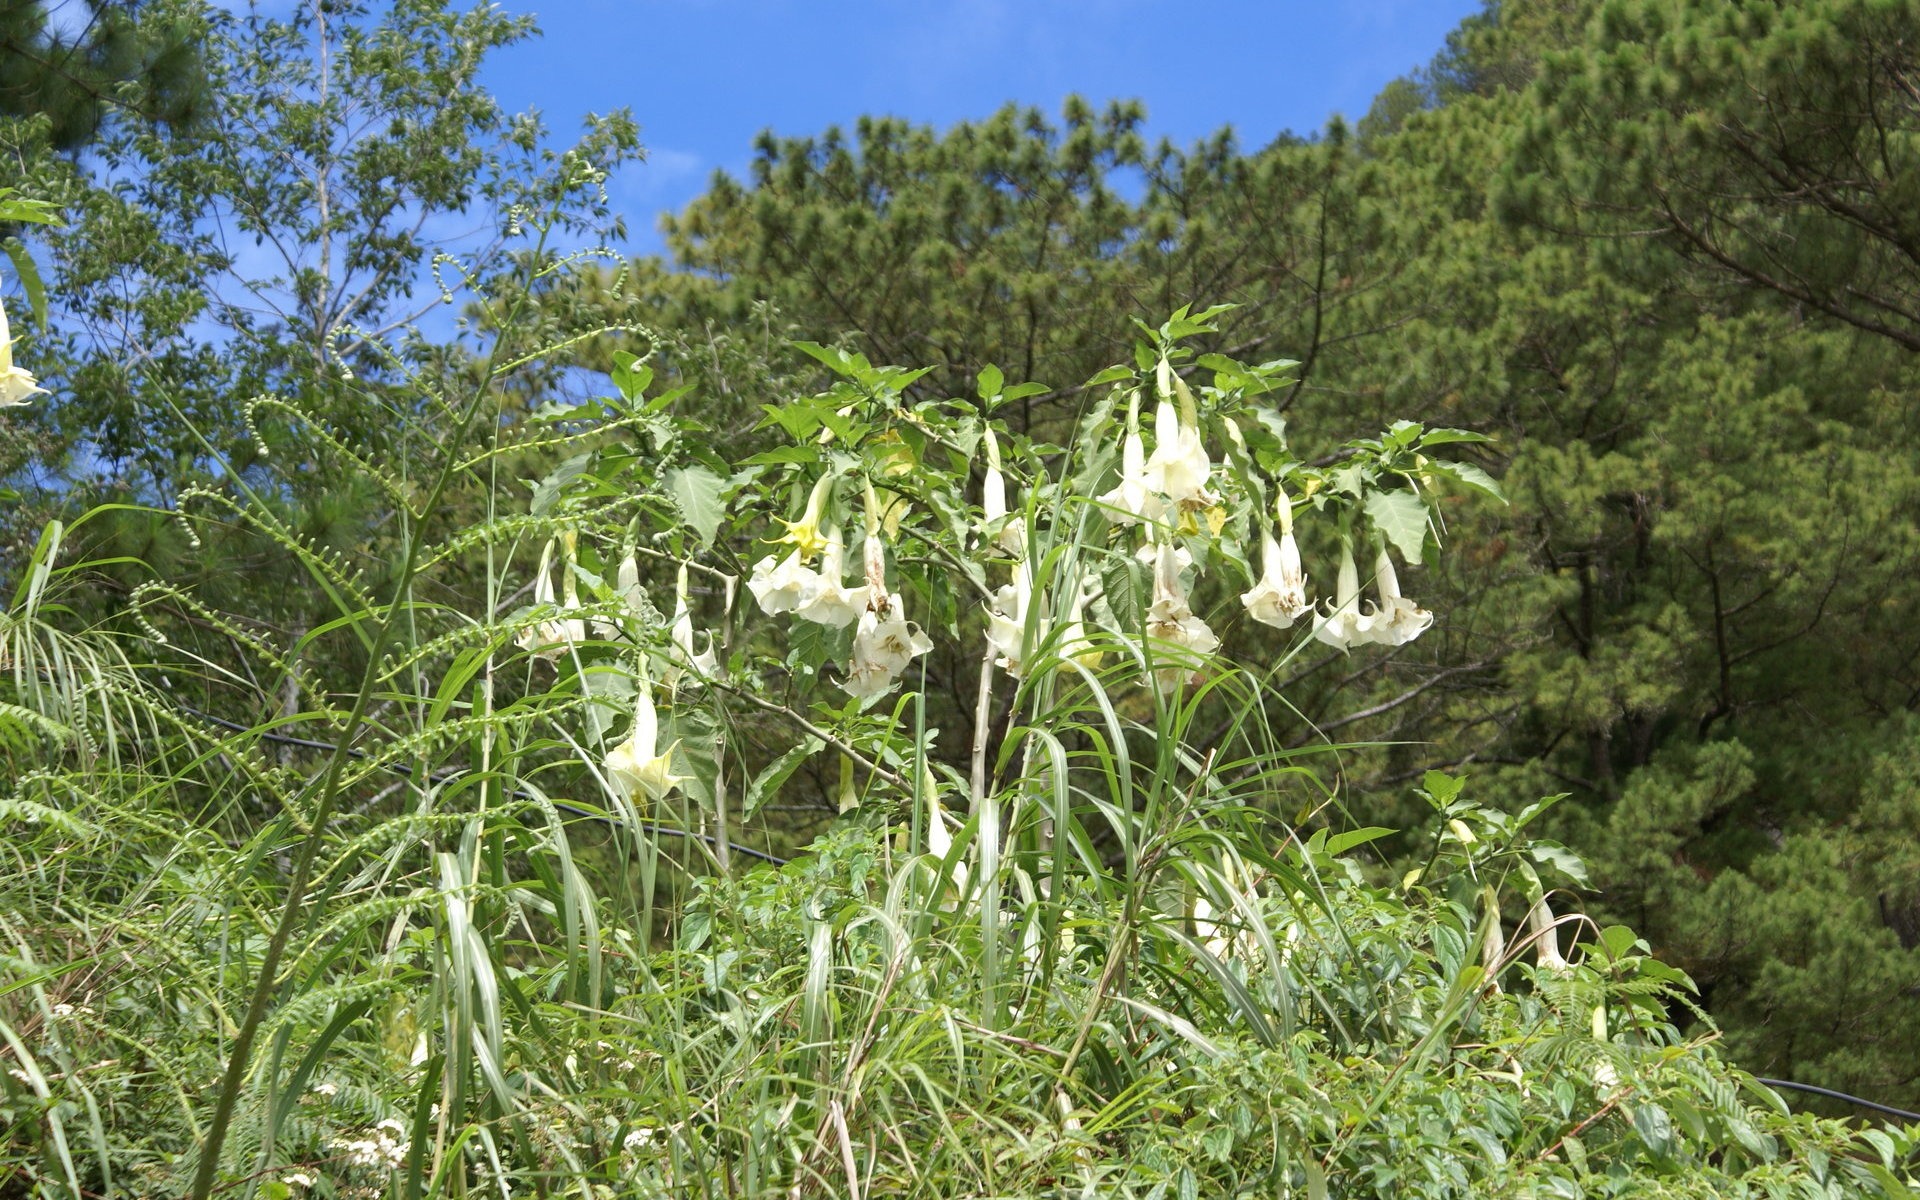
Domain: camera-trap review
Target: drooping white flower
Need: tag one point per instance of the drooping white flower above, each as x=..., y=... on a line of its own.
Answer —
x=884, y=642
x=1546, y=934
x=939, y=837
x=1007, y=621
x=1133, y=500
x=1347, y=624
x=781, y=586
x=17, y=386
x=632, y=766
x=550, y=639
x=1398, y=620
x=1179, y=468
x=1009, y=535
x=703, y=664
x=1281, y=595
x=828, y=601
x=1181, y=638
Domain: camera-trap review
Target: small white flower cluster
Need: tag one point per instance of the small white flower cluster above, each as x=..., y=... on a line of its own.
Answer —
x=386, y=1146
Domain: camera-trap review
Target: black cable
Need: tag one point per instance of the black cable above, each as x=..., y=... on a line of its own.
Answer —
x=1830, y=1094
x=517, y=793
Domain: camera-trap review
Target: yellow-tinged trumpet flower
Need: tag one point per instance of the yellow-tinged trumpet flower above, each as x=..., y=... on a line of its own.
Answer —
x=16, y=384
x=632, y=766
x=804, y=535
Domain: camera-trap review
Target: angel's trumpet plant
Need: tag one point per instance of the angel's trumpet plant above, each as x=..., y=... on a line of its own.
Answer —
x=1132, y=500
x=827, y=600
x=1179, y=468
x=703, y=664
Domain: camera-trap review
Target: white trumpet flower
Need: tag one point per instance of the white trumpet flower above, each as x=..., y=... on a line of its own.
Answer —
x=884, y=642
x=1182, y=637
x=632, y=766
x=1007, y=621
x=703, y=664
x=1281, y=595
x=883, y=645
x=1398, y=620
x=17, y=385
x=828, y=601
x=1133, y=499
x=781, y=586
x=550, y=639
x=1012, y=535
x=1546, y=934
x=1179, y=468
x=626, y=585
x=1347, y=624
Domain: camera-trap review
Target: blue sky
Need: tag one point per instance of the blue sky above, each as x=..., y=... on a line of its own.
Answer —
x=704, y=77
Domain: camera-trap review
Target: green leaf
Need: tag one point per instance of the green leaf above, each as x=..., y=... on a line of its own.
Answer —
x=696, y=491
x=550, y=490
x=631, y=376
x=799, y=419
x=1473, y=477
x=1402, y=518
x=1443, y=788
x=1655, y=1128
x=1113, y=374
x=1340, y=843
x=775, y=774
x=29, y=274
x=989, y=381
x=1123, y=579
x=1443, y=437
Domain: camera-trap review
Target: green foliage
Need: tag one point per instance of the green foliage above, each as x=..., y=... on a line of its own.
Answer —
x=126, y=57
x=1653, y=253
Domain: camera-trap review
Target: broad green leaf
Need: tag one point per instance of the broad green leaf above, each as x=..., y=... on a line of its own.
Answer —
x=23, y=266
x=1473, y=477
x=696, y=491
x=989, y=382
x=1402, y=518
